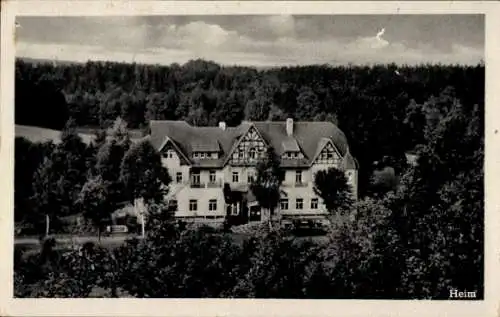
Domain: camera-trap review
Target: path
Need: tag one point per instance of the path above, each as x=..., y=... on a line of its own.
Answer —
x=68, y=239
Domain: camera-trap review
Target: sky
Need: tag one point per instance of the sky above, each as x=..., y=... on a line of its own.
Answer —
x=259, y=40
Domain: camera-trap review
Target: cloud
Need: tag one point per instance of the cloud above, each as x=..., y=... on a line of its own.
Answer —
x=180, y=40
x=202, y=35
x=373, y=43
x=281, y=25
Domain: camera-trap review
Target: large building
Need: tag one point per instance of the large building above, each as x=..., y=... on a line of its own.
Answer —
x=207, y=163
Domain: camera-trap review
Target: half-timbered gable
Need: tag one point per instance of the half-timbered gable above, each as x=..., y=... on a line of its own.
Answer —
x=249, y=149
x=328, y=155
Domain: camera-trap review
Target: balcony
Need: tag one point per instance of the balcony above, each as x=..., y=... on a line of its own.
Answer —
x=197, y=185
x=216, y=184
x=301, y=184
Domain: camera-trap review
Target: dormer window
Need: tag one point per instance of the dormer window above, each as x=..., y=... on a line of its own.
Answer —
x=205, y=155
x=292, y=155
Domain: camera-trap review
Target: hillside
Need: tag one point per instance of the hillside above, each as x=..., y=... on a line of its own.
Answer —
x=37, y=134
x=37, y=61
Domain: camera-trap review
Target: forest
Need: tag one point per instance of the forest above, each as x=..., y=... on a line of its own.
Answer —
x=414, y=234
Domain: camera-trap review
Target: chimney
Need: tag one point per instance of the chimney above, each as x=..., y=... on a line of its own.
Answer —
x=289, y=126
x=222, y=125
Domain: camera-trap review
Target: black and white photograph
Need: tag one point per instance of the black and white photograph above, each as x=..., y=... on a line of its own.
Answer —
x=249, y=156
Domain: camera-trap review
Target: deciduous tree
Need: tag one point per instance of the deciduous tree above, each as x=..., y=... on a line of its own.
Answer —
x=59, y=179
x=266, y=186
x=95, y=201
x=143, y=175
x=331, y=185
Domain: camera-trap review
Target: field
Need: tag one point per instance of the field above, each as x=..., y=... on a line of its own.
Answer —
x=38, y=134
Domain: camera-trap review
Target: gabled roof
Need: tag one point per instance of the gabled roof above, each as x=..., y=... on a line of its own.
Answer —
x=349, y=162
x=176, y=147
x=241, y=131
x=307, y=136
x=321, y=145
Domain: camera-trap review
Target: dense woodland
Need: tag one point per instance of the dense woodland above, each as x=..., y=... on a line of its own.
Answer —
x=413, y=234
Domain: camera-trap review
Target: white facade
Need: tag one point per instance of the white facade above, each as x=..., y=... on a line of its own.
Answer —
x=297, y=190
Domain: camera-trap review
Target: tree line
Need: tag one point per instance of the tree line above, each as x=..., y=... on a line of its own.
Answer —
x=372, y=105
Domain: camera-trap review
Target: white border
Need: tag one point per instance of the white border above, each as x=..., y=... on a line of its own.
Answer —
x=226, y=307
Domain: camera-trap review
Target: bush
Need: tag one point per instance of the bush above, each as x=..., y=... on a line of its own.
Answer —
x=270, y=271
x=195, y=264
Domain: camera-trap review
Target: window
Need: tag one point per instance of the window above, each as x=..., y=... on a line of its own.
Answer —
x=298, y=177
x=251, y=177
x=212, y=205
x=291, y=155
x=211, y=177
x=193, y=205
x=202, y=155
x=215, y=155
x=170, y=154
x=253, y=154
x=314, y=203
x=172, y=205
x=178, y=177
x=299, y=203
x=236, y=177
x=195, y=178
x=235, y=209
x=196, y=155
x=284, y=204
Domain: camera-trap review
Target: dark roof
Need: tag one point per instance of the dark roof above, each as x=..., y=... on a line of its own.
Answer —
x=308, y=137
x=321, y=144
x=209, y=146
x=349, y=162
x=290, y=145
